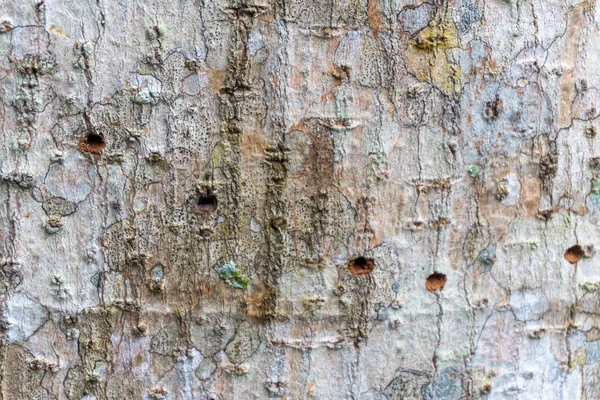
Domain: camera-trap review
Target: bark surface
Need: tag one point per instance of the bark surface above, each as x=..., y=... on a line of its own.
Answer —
x=299, y=199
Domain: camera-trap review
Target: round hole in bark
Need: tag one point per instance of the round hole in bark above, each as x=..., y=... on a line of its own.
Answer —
x=574, y=254
x=435, y=281
x=361, y=266
x=206, y=204
x=205, y=233
x=92, y=143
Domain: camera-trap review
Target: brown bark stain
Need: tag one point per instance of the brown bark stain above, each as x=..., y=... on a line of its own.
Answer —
x=254, y=303
x=216, y=79
x=319, y=166
x=385, y=216
x=296, y=79
x=531, y=193
x=573, y=38
x=375, y=15
x=253, y=147
x=207, y=290
x=160, y=365
x=156, y=195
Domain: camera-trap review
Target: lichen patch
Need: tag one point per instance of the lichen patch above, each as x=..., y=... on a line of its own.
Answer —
x=233, y=276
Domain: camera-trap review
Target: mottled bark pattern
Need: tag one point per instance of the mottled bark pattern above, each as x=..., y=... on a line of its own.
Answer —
x=300, y=199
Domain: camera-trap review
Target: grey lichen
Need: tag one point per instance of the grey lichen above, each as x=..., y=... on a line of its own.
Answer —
x=233, y=276
x=473, y=170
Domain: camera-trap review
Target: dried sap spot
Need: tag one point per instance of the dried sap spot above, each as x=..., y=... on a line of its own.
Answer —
x=361, y=266
x=435, y=281
x=574, y=254
x=206, y=204
x=92, y=143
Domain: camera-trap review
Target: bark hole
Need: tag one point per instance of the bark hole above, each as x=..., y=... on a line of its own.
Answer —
x=435, y=281
x=206, y=204
x=92, y=143
x=574, y=254
x=361, y=266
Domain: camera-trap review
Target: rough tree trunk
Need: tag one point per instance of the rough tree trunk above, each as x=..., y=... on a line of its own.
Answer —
x=305, y=199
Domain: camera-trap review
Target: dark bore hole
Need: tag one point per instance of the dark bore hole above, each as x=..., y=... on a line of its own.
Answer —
x=574, y=254
x=435, y=281
x=361, y=266
x=360, y=262
x=92, y=143
x=206, y=204
x=205, y=233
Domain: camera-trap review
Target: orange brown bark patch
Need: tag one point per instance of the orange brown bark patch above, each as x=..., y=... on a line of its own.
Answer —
x=574, y=254
x=92, y=143
x=361, y=266
x=435, y=281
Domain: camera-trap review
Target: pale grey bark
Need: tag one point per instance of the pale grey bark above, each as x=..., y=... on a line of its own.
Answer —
x=300, y=199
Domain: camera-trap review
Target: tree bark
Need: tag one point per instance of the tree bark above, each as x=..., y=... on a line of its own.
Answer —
x=299, y=199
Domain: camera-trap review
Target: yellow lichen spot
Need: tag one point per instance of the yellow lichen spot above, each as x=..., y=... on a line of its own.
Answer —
x=440, y=34
x=447, y=77
x=53, y=28
x=221, y=154
x=138, y=360
x=426, y=55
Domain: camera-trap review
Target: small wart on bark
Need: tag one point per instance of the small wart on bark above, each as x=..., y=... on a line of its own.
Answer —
x=574, y=254
x=361, y=266
x=206, y=204
x=590, y=132
x=435, y=281
x=493, y=108
x=548, y=166
x=92, y=143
